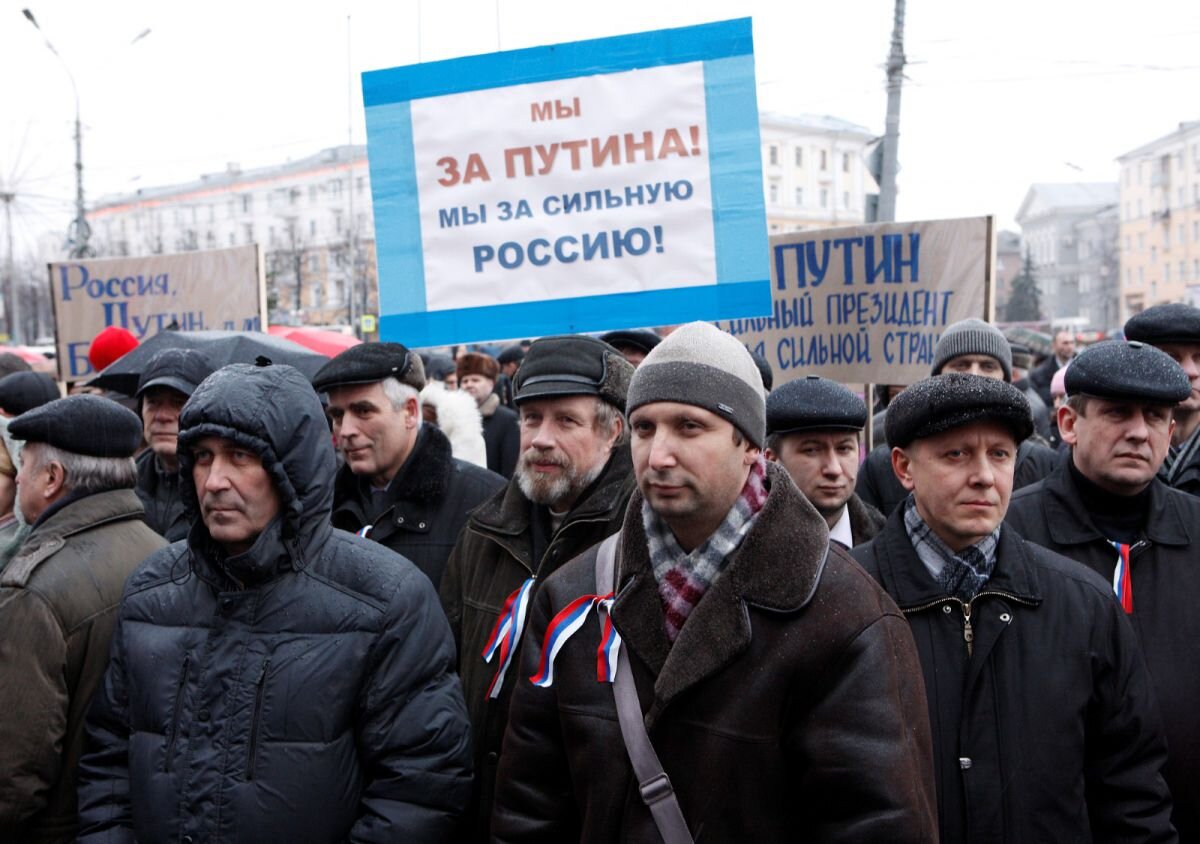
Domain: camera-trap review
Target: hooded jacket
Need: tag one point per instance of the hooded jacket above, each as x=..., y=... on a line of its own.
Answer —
x=300, y=691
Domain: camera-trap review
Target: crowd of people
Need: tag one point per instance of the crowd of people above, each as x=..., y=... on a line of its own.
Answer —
x=607, y=589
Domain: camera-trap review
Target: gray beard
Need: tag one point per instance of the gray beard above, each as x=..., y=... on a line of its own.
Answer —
x=551, y=492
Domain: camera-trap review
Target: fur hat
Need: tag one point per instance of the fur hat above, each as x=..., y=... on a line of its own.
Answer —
x=477, y=363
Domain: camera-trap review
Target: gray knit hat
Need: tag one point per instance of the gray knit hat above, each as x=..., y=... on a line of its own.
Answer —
x=972, y=337
x=701, y=365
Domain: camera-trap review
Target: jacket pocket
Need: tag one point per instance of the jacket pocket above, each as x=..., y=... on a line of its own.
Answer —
x=255, y=725
x=173, y=727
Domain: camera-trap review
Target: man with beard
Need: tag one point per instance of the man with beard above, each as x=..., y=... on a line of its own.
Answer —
x=572, y=482
x=812, y=430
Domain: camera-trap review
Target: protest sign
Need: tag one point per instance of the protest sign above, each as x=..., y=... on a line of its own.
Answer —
x=867, y=304
x=600, y=184
x=192, y=291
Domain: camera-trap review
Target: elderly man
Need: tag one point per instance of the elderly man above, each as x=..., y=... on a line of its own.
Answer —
x=1044, y=722
x=164, y=387
x=273, y=678
x=58, y=601
x=477, y=375
x=1175, y=328
x=777, y=682
x=401, y=485
x=1105, y=507
x=569, y=492
x=812, y=431
x=969, y=346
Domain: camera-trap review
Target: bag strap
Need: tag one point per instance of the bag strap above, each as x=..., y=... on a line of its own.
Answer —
x=653, y=783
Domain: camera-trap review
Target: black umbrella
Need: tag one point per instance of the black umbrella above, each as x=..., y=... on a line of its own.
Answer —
x=221, y=348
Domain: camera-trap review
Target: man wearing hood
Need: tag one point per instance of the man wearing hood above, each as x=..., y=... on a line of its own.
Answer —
x=273, y=678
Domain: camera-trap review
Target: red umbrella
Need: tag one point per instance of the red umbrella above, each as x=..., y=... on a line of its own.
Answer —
x=328, y=343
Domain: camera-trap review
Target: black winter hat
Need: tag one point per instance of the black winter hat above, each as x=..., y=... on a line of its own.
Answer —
x=637, y=338
x=367, y=363
x=814, y=404
x=573, y=365
x=512, y=354
x=1171, y=323
x=179, y=369
x=944, y=402
x=1128, y=371
x=81, y=424
x=23, y=391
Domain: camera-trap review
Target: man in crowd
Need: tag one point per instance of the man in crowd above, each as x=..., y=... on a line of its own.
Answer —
x=968, y=346
x=1175, y=328
x=633, y=343
x=569, y=492
x=1044, y=721
x=813, y=426
x=273, y=678
x=510, y=361
x=1062, y=350
x=400, y=484
x=58, y=601
x=1022, y=362
x=1105, y=508
x=477, y=374
x=22, y=391
x=164, y=387
x=778, y=684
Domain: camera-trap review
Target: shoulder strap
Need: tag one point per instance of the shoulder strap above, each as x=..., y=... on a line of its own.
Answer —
x=653, y=783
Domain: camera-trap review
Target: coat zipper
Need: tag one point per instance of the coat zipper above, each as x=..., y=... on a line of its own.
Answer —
x=967, y=606
x=260, y=688
x=176, y=712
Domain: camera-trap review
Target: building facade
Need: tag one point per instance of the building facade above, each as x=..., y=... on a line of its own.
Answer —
x=814, y=171
x=312, y=218
x=1160, y=221
x=1008, y=267
x=1070, y=233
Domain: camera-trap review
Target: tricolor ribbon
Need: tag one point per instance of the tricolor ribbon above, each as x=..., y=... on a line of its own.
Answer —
x=563, y=626
x=1122, y=580
x=507, y=633
x=365, y=530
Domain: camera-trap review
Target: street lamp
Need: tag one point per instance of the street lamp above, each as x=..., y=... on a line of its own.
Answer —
x=80, y=231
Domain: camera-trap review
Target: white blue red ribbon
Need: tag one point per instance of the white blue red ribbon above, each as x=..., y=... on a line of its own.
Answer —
x=564, y=625
x=365, y=530
x=507, y=633
x=1122, y=579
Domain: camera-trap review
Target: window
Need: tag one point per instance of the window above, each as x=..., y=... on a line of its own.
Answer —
x=773, y=155
x=1183, y=271
x=1153, y=254
x=1196, y=231
x=1166, y=273
x=1196, y=268
x=1128, y=243
x=312, y=228
x=312, y=193
x=247, y=202
x=845, y=199
x=314, y=263
x=1128, y=277
x=799, y=196
x=845, y=162
x=1139, y=207
x=1141, y=277
x=799, y=157
x=232, y=239
x=361, y=184
x=824, y=197
x=824, y=160
x=773, y=193
x=249, y=229
x=1141, y=241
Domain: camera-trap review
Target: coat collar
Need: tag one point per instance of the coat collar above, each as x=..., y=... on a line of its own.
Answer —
x=906, y=579
x=424, y=476
x=777, y=567
x=1070, y=524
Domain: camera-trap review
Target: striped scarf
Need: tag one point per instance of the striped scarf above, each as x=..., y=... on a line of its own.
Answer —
x=684, y=577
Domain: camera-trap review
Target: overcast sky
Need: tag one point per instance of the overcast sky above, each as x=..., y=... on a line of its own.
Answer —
x=998, y=96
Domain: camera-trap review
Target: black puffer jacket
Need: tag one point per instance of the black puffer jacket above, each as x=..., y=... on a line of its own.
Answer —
x=301, y=691
x=159, y=494
x=427, y=502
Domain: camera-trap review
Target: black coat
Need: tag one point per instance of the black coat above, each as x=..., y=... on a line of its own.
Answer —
x=159, y=493
x=865, y=520
x=1041, y=376
x=301, y=691
x=789, y=708
x=428, y=503
x=1187, y=478
x=878, y=486
x=502, y=438
x=1166, y=606
x=1049, y=731
x=507, y=540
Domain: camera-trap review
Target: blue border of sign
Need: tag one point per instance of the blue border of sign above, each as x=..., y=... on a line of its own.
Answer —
x=739, y=223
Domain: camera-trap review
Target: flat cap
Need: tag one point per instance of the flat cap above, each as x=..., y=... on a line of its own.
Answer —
x=511, y=354
x=81, y=424
x=944, y=402
x=179, y=369
x=1127, y=370
x=23, y=391
x=573, y=365
x=1171, y=323
x=637, y=338
x=367, y=363
x=1022, y=355
x=814, y=404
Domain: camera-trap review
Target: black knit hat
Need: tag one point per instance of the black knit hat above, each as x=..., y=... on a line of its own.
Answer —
x=1127, y=371
x=179, y=369
x=572, y=365
x=367, y=363
x=814, y=404
x=1171, y=323
x=81, y=424
x=972, y=337
x=23, y=391
x=944, y=402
